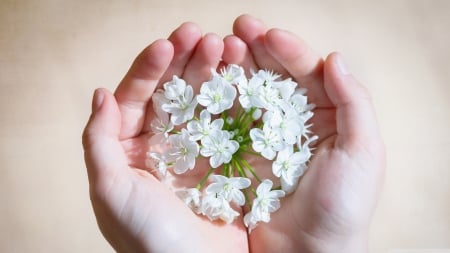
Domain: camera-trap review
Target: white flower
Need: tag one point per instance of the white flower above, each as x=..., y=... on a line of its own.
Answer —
x=291, y=177
x=191, y=197
x=181, y=103
x=161, y=123
x=269, y=77
x=289, y=124
x=183, y=152
x=304, y=148
x=250, y=221
x=219, y=147
x=175, y=88
x=269, y=97
x=266, y=202
x=290, y=187
x=216, y=207
x=157, y=162
x=159, y=98
x=203, y=127
x=289, y=165
x=217, y=95
x=285, y=88
x=249, y=93
x=299, y=102
x=266, y=141
x=234, y=74
x=229, y=188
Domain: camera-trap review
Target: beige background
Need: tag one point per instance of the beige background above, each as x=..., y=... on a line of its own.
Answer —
x=53, y=54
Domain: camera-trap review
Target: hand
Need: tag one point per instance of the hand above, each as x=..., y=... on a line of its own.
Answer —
x=331, y=209
x=135, y=212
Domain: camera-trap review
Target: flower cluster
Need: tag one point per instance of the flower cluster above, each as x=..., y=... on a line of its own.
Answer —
x=269, y=122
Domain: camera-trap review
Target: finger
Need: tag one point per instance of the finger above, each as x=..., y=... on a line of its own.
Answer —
x=301, y=62
x=184, y=39
x=135, y=90
x=355, y=116
x=207, y=55
x=252, y=32
x=103, y=152
x=236, y=52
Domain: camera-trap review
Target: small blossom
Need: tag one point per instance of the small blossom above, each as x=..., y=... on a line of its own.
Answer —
x=217, y=95
x=175, y=88
x=304, y=148
x=203, y=127
x=183, y=152
x=266, y=141
x=269, y=77
x=159, y=98
x=161, y=123
x=249, y=93
x=299, y=102
x=266, y=202
x=191, y=197
x=219, y=147
x=229, y=188
x=181, y=103
x=157, y=162
x=289, y=165
x=216, y=207
x=234, y=74
x=289, y=124
x=269, y=96
x=285, y=88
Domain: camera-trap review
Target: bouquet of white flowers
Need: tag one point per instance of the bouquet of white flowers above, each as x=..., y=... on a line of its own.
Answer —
x=269, y=122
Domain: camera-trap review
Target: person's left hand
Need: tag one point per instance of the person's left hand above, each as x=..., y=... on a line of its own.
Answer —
x=134, y=210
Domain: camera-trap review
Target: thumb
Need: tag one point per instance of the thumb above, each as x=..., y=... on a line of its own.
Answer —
x=355, y=115
x=104, y=155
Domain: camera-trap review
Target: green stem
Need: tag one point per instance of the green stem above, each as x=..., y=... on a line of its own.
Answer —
x=249, y=168
x=238, y=115
x=242, y=173
x=240, y=170
x=203, y=181
x=254, y=192
x=224, y=118
x=247, y=199
x=251, y=152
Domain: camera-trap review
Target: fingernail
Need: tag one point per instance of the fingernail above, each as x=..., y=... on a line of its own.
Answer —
x=341, y=64
x=97, y=101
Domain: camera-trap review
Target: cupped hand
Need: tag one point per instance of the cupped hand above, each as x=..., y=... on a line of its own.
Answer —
x=134, y=210
x=330, y=211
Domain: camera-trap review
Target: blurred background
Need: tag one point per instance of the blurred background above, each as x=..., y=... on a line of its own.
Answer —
x=53, y=54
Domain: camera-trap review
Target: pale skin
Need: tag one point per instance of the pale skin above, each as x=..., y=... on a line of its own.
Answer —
x=331, y=209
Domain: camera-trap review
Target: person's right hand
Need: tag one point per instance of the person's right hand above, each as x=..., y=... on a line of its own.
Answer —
x=134, y=210
x=331, y=209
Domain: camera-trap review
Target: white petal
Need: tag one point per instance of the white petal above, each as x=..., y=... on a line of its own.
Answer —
x=240, y=182
x=268, y=153
x=215, y=161
x=239, y=198
x=264, y=187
